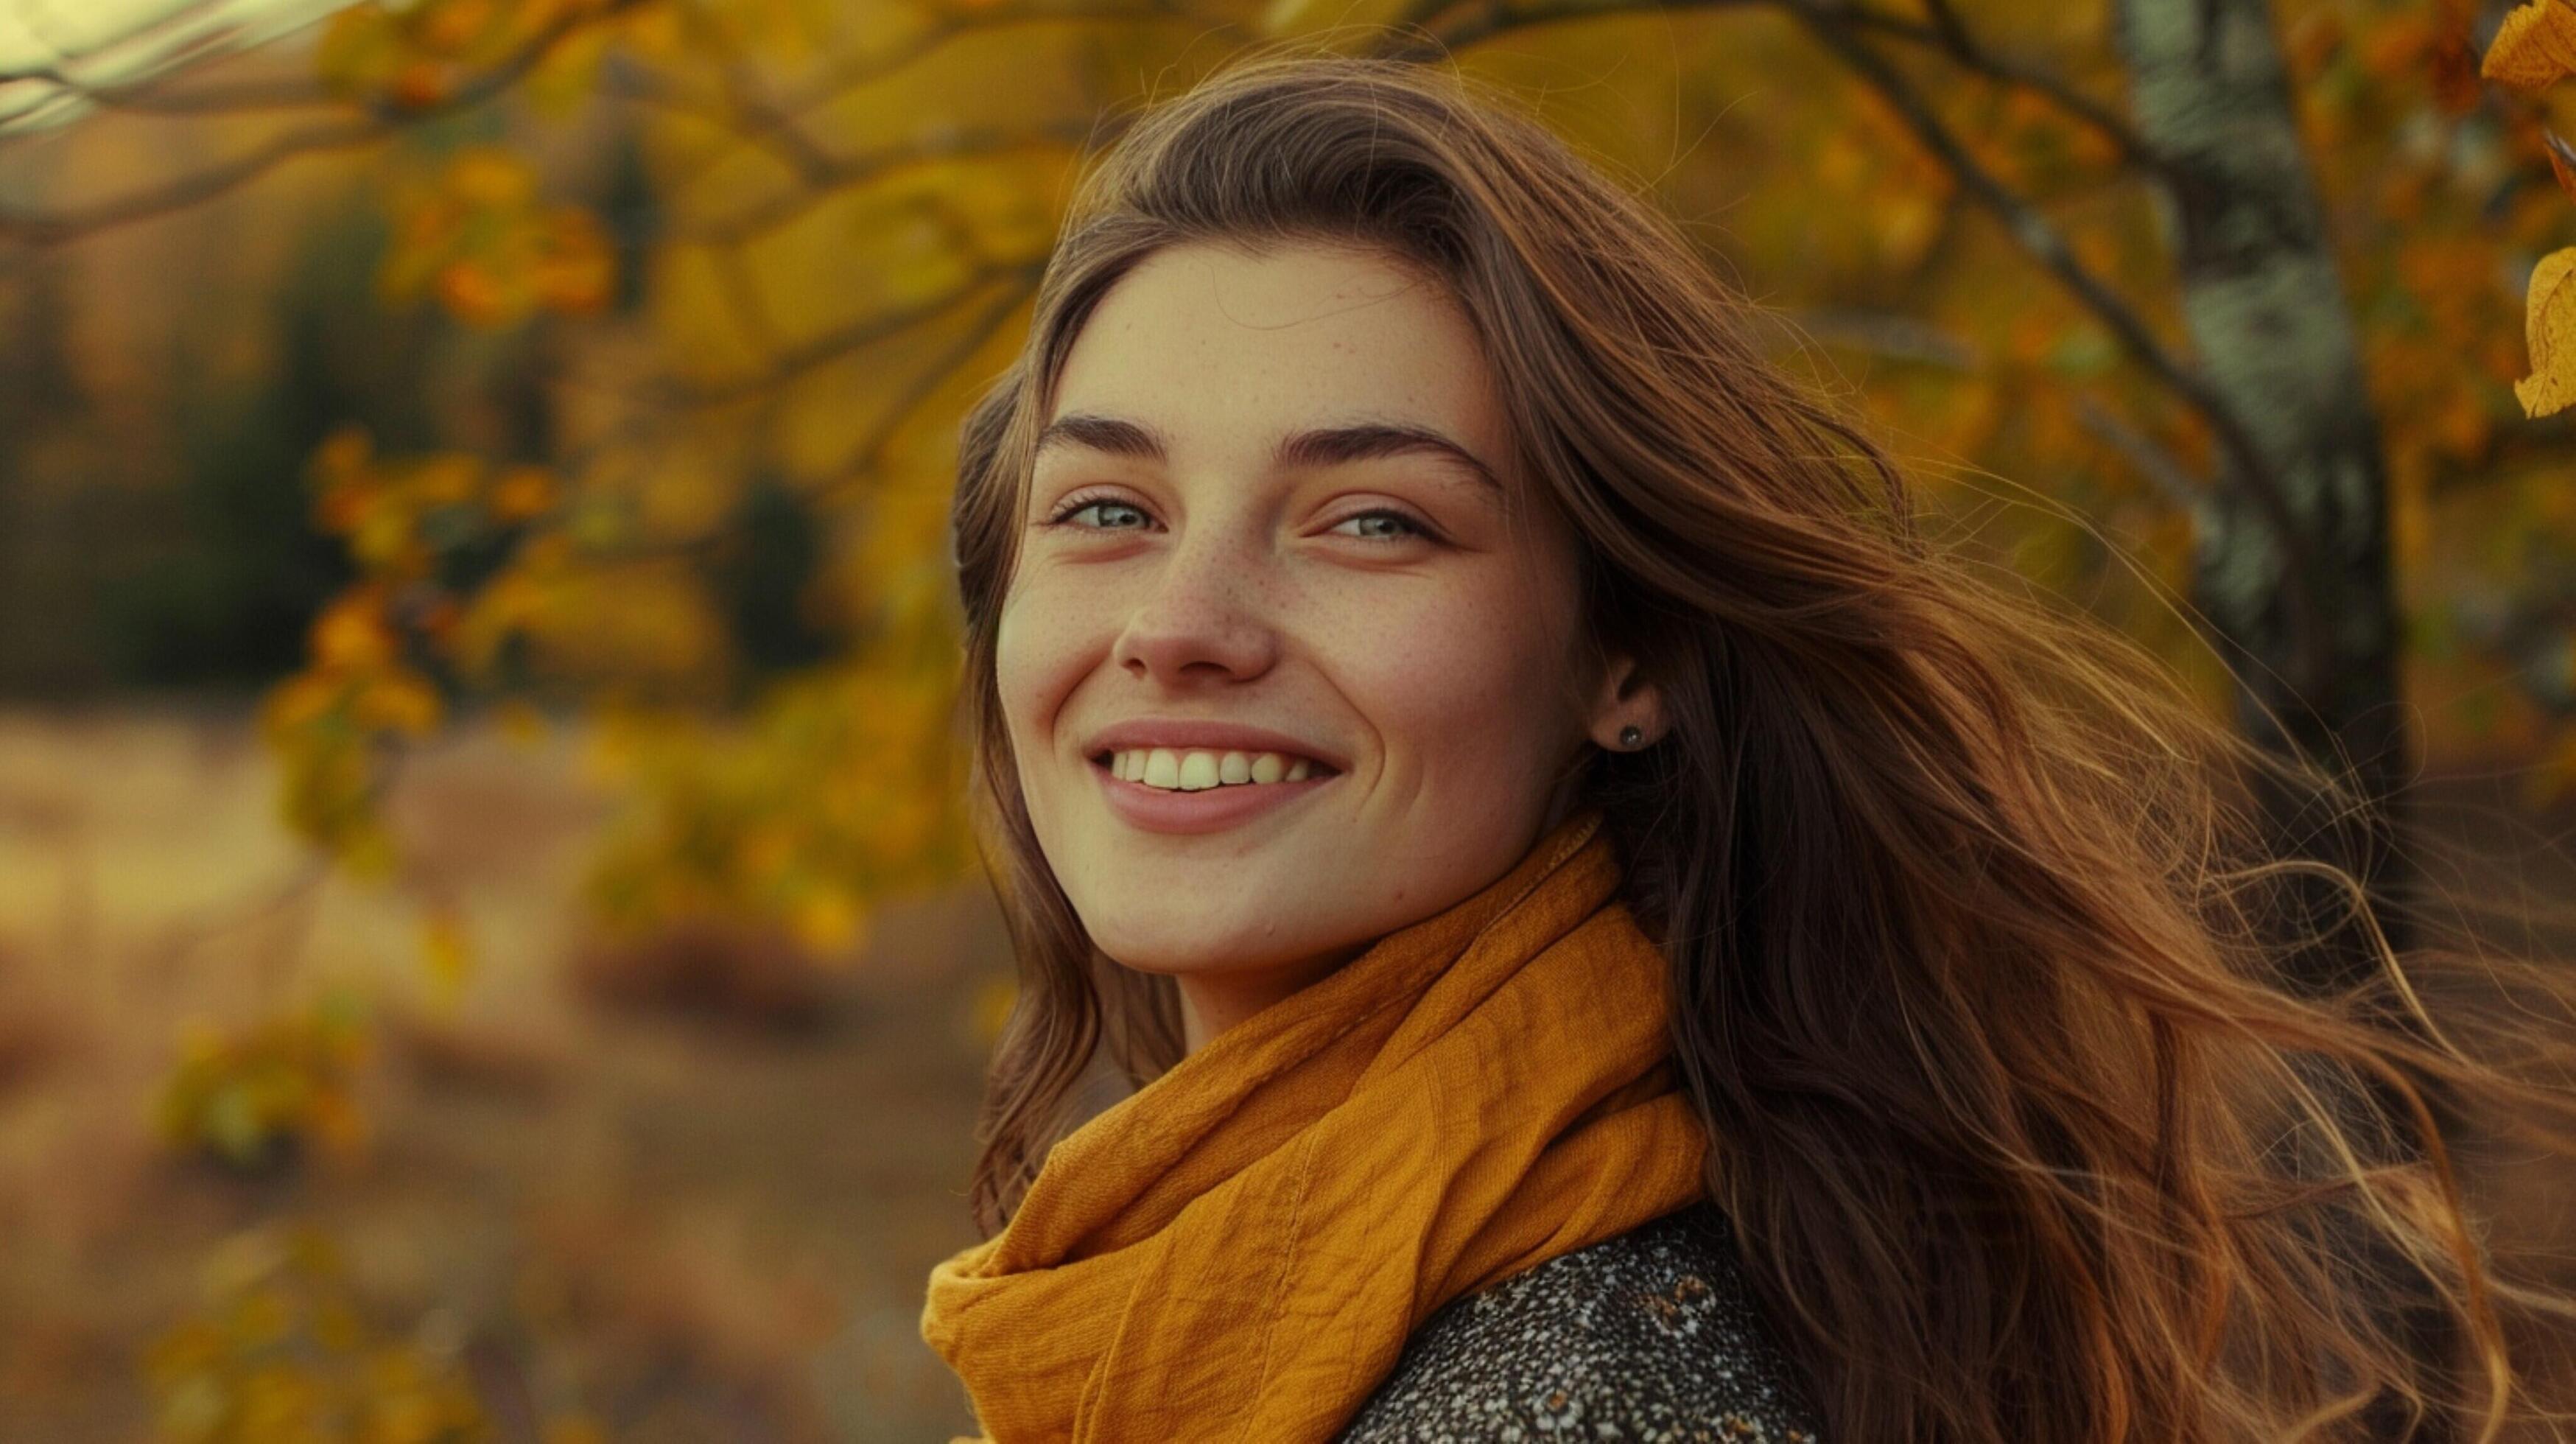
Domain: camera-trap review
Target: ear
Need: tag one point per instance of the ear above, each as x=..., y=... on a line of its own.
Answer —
x=1626, y=699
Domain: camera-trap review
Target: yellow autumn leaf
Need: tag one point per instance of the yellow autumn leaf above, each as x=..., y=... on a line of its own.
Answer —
x=2535, y=47
x=351, y=634
x=2551, y=329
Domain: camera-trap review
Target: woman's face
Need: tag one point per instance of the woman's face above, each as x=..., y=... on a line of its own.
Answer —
x=1275, y=529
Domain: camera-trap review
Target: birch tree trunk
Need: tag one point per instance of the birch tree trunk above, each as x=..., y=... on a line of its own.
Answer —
x=2268, y=319
x=2267, y=316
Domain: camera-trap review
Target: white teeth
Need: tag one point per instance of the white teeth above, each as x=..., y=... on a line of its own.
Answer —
x=1191, y=771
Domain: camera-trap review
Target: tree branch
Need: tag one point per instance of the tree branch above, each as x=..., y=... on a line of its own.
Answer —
x=623, y=80
x=1949, y=35
x=38, y=229
x=761, y=121
x=2040, y=240
x=774, y=122
x=1906, y=339
x=2162, y=469
x=795, y=361
x=840, y=172
x=1880, y=333
x=1431, y=41
x=152, y=97
x=138, y=37
x=869, y=455
x=850, y=71
x=742, y=298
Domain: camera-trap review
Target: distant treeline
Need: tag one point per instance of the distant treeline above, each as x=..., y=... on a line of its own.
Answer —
x=181, y=554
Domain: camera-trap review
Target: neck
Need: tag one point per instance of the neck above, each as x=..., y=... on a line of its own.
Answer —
x=1216, y=999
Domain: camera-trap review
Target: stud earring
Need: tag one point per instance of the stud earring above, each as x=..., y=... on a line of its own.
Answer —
x=1630, y=736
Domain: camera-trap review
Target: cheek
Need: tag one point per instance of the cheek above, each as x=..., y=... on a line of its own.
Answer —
x=1042, y=649
x=1464, y=687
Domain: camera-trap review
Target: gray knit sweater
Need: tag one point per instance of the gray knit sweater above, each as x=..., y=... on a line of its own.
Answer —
x=1652, y=1336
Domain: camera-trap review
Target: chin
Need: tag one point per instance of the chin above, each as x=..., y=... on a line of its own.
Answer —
x=1196, y=943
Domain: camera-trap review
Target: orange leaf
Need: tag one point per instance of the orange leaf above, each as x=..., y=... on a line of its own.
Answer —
x=2535, y=48
x=351, y=634
x=419, y=84
x=473, y=294
x=521, y=493
x=2551, y=331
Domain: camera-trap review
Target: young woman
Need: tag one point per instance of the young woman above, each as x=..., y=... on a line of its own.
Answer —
x=1610, y=934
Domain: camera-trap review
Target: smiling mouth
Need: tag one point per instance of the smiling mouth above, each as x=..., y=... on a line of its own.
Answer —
x=1177, y=769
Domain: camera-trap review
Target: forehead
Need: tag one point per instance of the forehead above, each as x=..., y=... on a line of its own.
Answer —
x=1217, y=348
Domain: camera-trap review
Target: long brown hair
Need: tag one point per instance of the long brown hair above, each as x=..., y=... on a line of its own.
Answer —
x=1972, y=928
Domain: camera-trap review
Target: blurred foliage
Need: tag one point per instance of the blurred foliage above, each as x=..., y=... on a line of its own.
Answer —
x=253, y=1099
x=838, y=792
x=412, y=56
x=478, y=238
x=283, y=1353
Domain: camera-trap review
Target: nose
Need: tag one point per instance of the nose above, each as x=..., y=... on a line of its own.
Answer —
x=1200, y=618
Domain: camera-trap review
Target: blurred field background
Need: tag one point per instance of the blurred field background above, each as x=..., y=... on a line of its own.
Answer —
x=689, y=1194
x=488, y=948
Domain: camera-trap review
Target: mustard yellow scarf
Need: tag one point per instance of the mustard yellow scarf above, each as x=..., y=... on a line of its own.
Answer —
x=1239, y=1249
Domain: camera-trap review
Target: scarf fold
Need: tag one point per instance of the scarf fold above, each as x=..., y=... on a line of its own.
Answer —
x=1239, y=1249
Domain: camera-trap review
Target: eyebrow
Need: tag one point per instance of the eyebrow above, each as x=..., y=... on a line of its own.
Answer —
x=1316, y=447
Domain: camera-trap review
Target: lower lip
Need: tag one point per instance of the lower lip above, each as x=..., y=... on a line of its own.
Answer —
x=1209, y=809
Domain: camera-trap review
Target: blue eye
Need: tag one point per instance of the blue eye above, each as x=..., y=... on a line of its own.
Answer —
x=1409, y=528
x=1105, y=505
x=1378, y=524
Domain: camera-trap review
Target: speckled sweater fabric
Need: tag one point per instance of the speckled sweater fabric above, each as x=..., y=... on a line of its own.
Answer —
x=1652, y=1336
